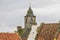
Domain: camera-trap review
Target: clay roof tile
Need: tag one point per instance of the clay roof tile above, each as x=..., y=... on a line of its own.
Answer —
x=9, y=36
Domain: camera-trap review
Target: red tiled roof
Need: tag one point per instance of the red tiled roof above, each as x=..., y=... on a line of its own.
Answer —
x=9, y=36
x=47, y=31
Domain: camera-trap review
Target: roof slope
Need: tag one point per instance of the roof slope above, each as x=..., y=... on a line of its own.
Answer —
x=47, y=31
x=9, y=36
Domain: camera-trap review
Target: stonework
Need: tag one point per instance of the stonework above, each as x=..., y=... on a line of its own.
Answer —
x=30, y=19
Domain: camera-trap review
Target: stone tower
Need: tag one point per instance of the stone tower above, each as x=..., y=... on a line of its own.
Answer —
x=30, y=18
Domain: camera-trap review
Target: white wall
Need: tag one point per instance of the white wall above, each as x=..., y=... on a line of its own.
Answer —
x=33, y=33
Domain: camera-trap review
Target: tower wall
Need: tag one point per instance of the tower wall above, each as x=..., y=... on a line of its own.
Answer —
x=30, y=19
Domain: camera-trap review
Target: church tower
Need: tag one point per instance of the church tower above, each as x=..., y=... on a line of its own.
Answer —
x=30, y=18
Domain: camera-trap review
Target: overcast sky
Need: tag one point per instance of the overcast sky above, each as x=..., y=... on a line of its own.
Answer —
x=12, y=12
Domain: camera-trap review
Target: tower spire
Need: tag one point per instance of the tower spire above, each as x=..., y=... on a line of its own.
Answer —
x=29, y=5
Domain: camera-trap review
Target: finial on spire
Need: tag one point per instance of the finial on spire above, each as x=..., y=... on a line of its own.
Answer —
x=29, y=5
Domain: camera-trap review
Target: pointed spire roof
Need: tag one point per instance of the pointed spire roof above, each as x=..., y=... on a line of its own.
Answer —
x=29, y=11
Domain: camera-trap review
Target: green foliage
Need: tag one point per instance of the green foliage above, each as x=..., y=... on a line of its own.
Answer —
x=21, y=31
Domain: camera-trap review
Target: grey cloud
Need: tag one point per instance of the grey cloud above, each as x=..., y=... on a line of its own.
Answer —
x=12, y=12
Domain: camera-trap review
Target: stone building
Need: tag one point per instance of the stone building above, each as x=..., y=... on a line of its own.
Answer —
x=30, y=19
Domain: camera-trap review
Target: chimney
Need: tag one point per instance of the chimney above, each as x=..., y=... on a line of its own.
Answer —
x=19, y=28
